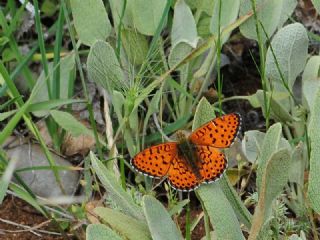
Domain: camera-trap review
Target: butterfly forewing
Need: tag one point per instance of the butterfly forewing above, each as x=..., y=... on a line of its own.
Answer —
x=181, y=177
x=212, y=163
x=219, y=132
x=155, y=161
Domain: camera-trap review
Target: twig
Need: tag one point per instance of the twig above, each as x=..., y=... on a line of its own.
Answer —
x=155, y=119
x=109, y=134
x=29, y=229
x=68, y=216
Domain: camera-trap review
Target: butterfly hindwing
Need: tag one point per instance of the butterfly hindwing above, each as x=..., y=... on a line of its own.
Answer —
x=219, y=132
x=181, y=177
x=155, y=161
x=212, y=163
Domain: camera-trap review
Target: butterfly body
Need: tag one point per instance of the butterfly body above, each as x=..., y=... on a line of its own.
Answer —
x=187, y=152
x=192, y=160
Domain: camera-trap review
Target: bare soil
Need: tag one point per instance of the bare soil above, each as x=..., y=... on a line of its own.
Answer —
x=21, y=213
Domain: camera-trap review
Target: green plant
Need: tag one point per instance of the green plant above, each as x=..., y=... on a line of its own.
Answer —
x=153, y=61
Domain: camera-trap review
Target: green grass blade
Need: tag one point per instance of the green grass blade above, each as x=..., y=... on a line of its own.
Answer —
x=56, y=59
x=6, y=132
x=42, y=45
x=6, y=178
x=15, y=48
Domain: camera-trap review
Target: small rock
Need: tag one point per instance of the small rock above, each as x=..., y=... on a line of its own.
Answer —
x=43, y=182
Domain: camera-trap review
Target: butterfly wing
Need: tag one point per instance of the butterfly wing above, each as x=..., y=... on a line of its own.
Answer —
x=155, y=161
x=219, y=132
x=181, y=177
x=213, y=163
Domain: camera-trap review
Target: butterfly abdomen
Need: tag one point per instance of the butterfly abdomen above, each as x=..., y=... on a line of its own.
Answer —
x=186, y=150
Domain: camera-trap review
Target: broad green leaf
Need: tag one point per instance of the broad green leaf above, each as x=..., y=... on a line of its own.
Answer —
x=6, y=178
x=104, y=68
x=222, y=216
x=159, y=221
x=298, y=163
x=314, y=180
x=178, y=53
x=288, y=7
x=278, y=111
x=70, y=123
x=316, y=4
x=239, y=208
x=124, y=224
x=101, y=232
x=205, y=113
x=118, y=195
x=252, y=144
x=90, y=20
x=184, y=27
x=229, y=13
x=201, y=5
x=147, y=15
x=269, y=147
x=67, y=67
x=311, y=80
x=254, y=101
x=116, y=7
x=275, y=177
x=178, y=207
x=193, y=4
x=268, y=12
x=135, y=45
x=203, y=26
x=290, y=46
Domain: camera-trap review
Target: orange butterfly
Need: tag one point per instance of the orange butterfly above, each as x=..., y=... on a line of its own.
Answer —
x=194, y=160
